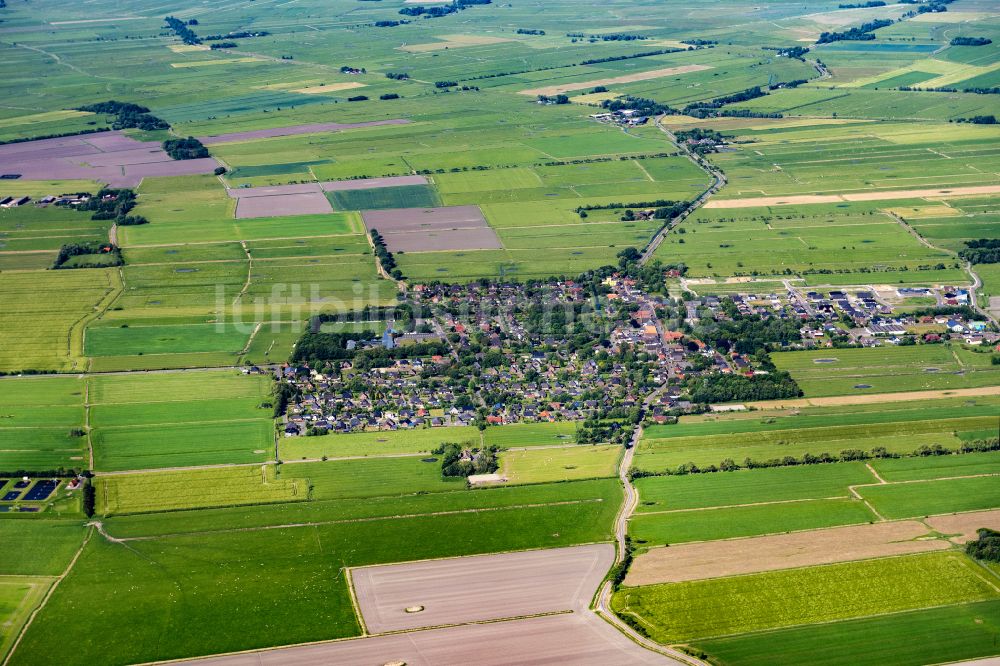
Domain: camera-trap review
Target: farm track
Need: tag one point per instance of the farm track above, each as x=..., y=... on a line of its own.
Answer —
x=45, y=599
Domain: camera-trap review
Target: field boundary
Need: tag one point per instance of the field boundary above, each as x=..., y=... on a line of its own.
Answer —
x=48, y=595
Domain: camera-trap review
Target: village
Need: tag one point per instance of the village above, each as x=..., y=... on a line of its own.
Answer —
x=570, y=350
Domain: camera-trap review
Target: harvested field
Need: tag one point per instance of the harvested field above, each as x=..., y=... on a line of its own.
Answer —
x=578, y=638
x=329, y=87
x=433, y=229
x=800, y=199
x=309, y=203
x=454, y=42
x=312, y=128
x=965, y=524
x=872, y=398
x=372, y=183
x=108, y=157
x=780, y=551
x=493, y=587
x=628, y=78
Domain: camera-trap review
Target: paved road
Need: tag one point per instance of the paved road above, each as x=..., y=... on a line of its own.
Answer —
x=976, y=282
x=718, y=180
x=603, y=601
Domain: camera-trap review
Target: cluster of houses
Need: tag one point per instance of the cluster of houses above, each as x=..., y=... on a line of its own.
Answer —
x=862, y=316
x=512, y=367
x=624, y=117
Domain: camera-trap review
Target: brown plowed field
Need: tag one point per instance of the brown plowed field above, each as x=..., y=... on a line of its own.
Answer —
x=734, y=557
x=492, y=587
x=965, y=524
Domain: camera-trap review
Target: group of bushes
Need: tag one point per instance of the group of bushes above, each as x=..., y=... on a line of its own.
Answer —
x=182, y=29
x=185, y=149
x=113, y=204
x=442, y=10
x=727, y=388
x=127, y=115
x=384, y=256
x=457, y=460
x=104, y=254
x=864, y=32
x=982, y=251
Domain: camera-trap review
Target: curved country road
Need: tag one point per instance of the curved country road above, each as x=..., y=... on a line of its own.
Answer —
x=602, y=604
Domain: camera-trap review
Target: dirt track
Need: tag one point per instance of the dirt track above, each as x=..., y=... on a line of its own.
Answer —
x=781, y=551
x=798, y=199
x=628, y=78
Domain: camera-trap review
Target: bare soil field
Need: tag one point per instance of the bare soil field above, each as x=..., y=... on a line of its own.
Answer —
x=628, y=78
x=853, y=196
x=294, y=130
x=443, y=241
x=372, y=183
x=108, y=157
x=582, y=639
x=781, y=551
x=873, y=398
x=307, y=203
x=965, y=524
x=492, y=587
x=433, y=229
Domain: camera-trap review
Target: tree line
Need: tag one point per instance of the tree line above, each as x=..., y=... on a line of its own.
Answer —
x=847, y=455
x=864, y=32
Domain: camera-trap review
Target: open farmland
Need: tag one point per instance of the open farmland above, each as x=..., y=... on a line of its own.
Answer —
x=41, y=414
x=167, y=491
x=809, y=595
x=110, y=157
x=562, y=464
x=51, y=310
x=308, y=559
x=150, y=421
x=605, y=237
x=782, y=551
x=900, y=428
x=965, y=631
x=880, y=370
x=523, y=584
